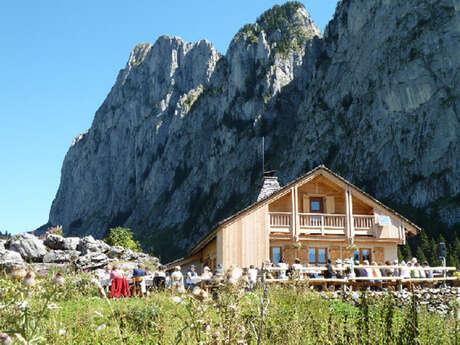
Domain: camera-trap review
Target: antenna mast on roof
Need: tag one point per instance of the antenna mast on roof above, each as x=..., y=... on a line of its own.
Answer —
x=263, y=156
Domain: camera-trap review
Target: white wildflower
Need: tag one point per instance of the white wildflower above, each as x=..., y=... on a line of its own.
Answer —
x=98, y=314
x=53, y=306
x=177, y=299
x=101, y=327
x=61, y=332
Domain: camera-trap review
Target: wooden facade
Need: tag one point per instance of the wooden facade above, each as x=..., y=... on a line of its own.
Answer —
x=314, y=218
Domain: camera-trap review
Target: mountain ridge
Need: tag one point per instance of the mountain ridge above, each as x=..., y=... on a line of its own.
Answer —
x=172, y=150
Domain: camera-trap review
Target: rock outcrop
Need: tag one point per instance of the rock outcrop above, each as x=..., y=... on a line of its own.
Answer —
x=92, y=253
x=175, y=147
x=28, y=246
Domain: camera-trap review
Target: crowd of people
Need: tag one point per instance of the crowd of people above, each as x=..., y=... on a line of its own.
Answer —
x=352, y=269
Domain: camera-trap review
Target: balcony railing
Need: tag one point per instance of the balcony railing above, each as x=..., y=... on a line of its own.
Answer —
x=319, y=223
x=280, y=221
x=363, y=224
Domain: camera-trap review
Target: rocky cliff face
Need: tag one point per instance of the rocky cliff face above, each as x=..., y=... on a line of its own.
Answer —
x=175, y=147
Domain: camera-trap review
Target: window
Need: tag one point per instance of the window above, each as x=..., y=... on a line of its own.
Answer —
x=362, y=254
x=317, y=255
x=316, y=205
x=275, y=255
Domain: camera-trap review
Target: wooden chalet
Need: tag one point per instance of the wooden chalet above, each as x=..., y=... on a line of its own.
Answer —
x=314, y=218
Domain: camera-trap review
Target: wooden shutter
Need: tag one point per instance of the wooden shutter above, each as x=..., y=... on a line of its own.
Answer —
x=379, y=255
x=306, y=204
x=330, y=204
x=334, y=253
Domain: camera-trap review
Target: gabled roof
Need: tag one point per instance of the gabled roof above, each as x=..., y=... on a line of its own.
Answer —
x=208, y=237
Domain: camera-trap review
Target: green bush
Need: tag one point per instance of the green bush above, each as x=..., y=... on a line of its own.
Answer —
x=123, y=237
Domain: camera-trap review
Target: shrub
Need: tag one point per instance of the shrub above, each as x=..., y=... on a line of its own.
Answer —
x=123, y=237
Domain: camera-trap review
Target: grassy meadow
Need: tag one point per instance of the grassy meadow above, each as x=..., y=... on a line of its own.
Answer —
x=75, y=314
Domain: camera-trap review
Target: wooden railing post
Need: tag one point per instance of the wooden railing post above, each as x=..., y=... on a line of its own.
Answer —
x=322, y=225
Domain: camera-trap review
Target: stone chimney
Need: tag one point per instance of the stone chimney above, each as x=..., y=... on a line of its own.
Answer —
x=270, y=185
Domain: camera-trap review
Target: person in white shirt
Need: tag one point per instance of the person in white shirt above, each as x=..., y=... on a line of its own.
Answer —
x=405, y=271
x=206, y=275
x=252, y=272
x=284, y=267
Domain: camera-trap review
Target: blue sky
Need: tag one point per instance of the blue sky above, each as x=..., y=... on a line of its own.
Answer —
x=59, y=60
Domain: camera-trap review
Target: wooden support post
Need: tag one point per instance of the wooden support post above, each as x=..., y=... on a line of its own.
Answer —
x=295, y=220
x=350, y=233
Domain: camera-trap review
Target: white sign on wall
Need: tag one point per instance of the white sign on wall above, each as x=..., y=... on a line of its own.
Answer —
x=384, y=221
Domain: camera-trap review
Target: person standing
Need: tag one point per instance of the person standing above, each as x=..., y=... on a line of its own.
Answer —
x=191, y=274
x=252, y=277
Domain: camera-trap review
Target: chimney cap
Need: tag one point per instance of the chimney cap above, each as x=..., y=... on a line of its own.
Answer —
x=269, y=173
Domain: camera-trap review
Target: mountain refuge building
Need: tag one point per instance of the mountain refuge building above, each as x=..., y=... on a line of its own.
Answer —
x=316, y=217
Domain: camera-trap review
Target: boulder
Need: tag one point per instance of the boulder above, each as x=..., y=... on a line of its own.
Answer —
x=60, y=256
x=71, y=243
x=91, y=261
x=90, y=245
x=30, y=247
x=9, y=258
x=116, y=252
x=2, y=244
x=58, y=242
x=53, y=241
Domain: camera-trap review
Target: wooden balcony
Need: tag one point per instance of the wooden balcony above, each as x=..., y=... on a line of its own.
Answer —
x=320, y=224
x=324, y=224
x=280, y=222
x=363, y=224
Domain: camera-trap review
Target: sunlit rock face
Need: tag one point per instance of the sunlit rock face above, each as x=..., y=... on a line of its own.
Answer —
x=176, y=145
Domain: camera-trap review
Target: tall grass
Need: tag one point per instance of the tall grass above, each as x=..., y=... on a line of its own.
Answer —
x=74, y=314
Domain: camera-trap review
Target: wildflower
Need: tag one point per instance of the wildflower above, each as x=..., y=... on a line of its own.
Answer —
x=23, y=305
x=53, y=306
x=5, y=339
x=101, y=327
x=98, y=314
x=61, y=332
x=177, y=299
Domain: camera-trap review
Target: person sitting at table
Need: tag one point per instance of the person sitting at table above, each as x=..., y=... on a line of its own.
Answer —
x=116, y=273
x=252, y=273
x=329, y=273
x=107, y=271
x=138, y=279
x=206, y=275
x=159, y=280
x=189, y=281
x=414, y=272
x=282, y=271
x=396, y=271
x=387, y=272
x=313, y=273
x=120, y=286
x=428, y=273
x=219, y=271
x=340, y=274
x=359, y=272
x=296, y=265
x=349, y=271
x=139, y=271
x=177, y=278
x=405, y=270
x=421, y=272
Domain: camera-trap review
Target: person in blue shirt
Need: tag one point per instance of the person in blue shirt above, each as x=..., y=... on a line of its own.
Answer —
x=189, y=284
x=138, y=272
